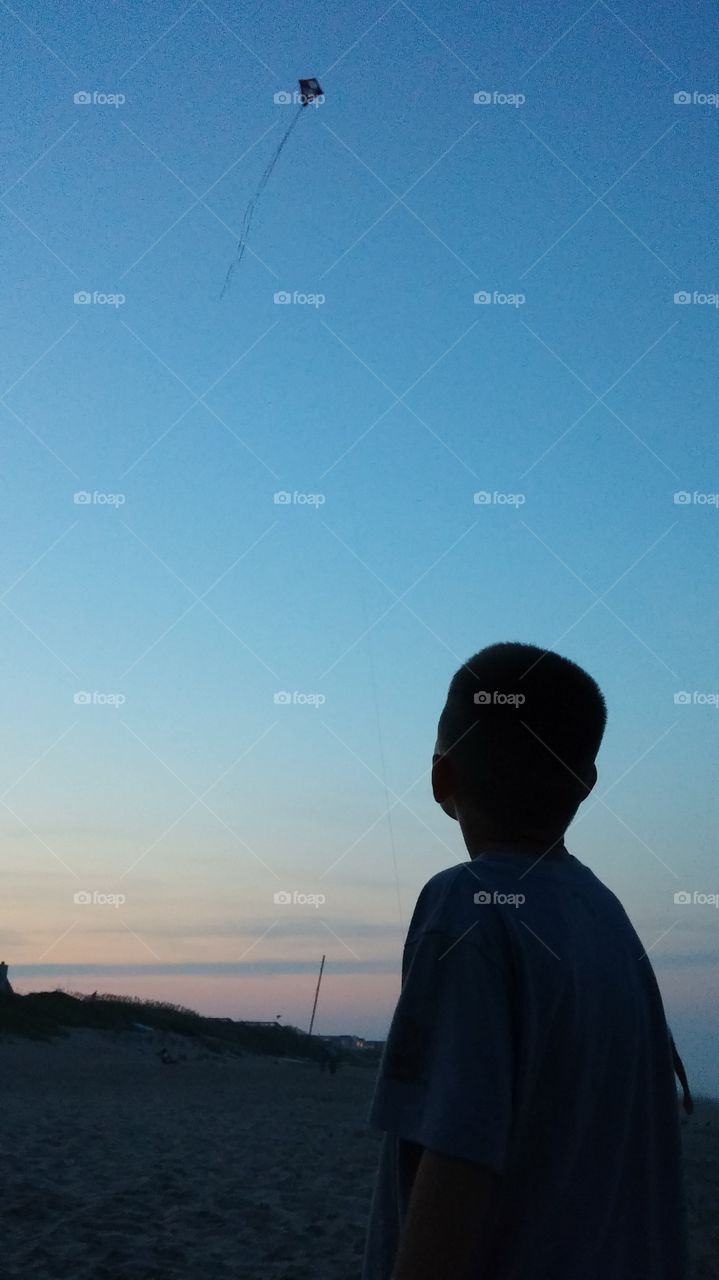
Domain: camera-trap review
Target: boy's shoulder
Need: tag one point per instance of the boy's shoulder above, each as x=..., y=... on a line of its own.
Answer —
x=448, y=902
x=450, y=899
x=446, y=885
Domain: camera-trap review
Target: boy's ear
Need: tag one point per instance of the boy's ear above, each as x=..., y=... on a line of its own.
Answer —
x=589, y=781
x=438, y=776
x=442, y=784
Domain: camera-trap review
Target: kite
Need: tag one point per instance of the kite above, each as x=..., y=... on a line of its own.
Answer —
x=310, y=90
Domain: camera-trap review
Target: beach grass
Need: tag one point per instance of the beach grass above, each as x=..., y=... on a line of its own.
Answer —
x=43, y=1015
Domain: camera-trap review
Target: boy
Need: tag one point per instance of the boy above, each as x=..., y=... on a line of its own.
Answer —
x=526, y=1091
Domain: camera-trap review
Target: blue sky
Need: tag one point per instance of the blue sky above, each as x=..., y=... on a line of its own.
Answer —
x=188, y=596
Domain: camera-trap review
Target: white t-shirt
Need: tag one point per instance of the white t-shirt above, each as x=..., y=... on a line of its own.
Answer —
x=530, y=1037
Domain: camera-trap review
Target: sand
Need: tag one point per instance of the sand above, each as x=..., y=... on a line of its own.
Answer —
x=118, y=1168
x=701, y=1155
x=121, y=1168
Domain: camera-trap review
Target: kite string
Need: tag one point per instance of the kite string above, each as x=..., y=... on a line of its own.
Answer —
x=380, y=740
x=252, y=204
x=384, y=773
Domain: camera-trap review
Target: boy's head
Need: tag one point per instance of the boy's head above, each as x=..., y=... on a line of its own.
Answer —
x=517, y=741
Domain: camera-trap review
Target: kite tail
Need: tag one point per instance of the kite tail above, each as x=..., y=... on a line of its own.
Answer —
x=250, y=210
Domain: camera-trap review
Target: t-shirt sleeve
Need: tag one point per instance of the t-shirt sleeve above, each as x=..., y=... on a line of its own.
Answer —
x=446, y=1078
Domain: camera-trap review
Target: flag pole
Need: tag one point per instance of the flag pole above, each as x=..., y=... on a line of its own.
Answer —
x=317, y=992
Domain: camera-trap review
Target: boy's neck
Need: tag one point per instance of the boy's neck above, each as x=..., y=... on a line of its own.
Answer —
x=493, y=844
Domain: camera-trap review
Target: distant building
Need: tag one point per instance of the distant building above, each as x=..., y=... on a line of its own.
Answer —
x=345, y=1042
x=5, y=988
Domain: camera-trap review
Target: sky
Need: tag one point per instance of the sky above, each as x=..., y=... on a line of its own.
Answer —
x=459, y=390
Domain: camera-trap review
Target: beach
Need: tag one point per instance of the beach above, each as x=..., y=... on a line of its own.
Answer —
x=118, y=1167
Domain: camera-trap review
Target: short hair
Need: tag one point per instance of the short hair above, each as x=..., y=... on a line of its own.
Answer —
x=522, y=726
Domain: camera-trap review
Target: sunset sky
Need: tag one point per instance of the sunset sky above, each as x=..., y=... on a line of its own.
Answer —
x=148, y=627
